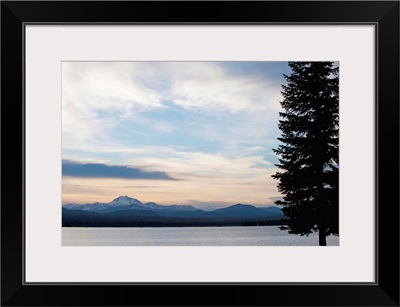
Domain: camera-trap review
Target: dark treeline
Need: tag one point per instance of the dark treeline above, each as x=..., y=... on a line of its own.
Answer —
x=73, y=218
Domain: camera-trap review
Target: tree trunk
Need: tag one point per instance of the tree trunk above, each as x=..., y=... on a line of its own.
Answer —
x=322, y=236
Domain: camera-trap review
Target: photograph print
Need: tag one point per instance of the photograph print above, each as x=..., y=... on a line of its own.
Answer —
x=200, y=153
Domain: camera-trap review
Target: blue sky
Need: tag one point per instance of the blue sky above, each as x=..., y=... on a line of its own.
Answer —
x=197, y=133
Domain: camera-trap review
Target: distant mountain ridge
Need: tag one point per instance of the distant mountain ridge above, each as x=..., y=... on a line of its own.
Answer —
x=125, y=203
x=132, y=206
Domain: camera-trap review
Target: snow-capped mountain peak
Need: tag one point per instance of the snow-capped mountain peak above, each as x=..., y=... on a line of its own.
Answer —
x=153, y=205
x=125, y=201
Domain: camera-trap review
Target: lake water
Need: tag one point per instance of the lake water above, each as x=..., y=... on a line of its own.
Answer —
x=188, y=236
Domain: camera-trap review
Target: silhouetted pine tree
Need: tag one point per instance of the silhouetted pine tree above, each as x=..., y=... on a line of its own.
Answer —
x=309, y=153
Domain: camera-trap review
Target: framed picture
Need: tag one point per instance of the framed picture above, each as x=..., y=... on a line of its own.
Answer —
x=148, y=150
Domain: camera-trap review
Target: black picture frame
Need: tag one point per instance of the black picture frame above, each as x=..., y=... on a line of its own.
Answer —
x=383, y=14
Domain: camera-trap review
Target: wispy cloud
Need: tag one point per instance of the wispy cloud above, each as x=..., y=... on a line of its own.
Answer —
x=208, y=87
x=98, y=95
x=211, y=126
x=97, y=170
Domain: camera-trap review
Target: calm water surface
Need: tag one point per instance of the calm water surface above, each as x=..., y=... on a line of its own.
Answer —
x=187, y=236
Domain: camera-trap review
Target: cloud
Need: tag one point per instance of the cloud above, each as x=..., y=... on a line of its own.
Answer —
x=97, y=170
x=180, y=161
x=208, y=87
x=96, y=96
x=209, y=126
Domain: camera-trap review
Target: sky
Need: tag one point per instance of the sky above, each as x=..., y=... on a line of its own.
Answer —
x=184, y=133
